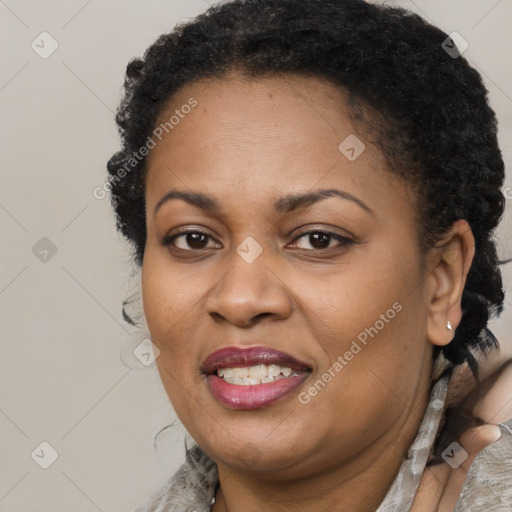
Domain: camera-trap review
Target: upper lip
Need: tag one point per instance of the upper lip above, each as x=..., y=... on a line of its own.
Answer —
x=237, y=357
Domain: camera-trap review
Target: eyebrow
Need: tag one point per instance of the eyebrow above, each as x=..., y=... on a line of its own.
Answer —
x=284, y=204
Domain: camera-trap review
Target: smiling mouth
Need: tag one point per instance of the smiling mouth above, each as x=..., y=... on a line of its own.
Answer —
x=252, y=377
x=257, y=374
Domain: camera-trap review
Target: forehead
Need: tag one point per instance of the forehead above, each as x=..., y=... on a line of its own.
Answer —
x=261, y=137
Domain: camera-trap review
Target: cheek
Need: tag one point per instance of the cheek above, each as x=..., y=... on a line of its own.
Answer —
x=165, y=299
x=360, y=298
x=173, y=301
x=168, y=309
x=370, y=325
x=158, y=300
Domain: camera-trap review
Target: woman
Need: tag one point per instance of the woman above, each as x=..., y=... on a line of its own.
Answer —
x=311, y=190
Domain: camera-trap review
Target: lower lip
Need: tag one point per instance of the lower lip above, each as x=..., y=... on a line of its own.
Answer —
x=253, y=397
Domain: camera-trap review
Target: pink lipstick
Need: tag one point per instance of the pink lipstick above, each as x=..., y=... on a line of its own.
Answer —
x=254, y=377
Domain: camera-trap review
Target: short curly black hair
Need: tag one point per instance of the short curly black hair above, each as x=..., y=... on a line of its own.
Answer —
x=429, y=107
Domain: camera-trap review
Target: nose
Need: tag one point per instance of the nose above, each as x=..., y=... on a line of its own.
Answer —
x=248, y=293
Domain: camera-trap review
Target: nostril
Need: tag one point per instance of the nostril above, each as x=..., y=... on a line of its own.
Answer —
x=263, y=315
x=216, y=316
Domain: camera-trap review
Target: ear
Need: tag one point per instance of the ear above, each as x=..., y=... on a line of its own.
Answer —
x=448, y=264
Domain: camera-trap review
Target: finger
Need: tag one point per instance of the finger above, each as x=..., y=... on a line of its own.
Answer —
x=431, y=488
x=470, y=444
x=496, y=405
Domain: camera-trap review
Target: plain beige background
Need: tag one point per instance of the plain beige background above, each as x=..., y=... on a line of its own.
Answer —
x=65, y=378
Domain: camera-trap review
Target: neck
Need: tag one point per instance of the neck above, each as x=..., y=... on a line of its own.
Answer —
x=359, y=484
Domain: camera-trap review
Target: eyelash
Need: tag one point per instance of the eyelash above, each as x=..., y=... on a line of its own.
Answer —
x=343, y=241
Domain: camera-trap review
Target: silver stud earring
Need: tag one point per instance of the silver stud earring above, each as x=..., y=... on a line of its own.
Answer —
x=449, y=326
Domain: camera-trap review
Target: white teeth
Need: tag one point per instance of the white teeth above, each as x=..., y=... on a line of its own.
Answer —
x=241, y=372
x=258, y=372
x=274, y=370
x=253, y=375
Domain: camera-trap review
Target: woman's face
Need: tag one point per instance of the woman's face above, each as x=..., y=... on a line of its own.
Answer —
x=334, y=281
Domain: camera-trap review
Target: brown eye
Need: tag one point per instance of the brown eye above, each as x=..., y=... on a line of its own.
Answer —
x=188, y=240
x=196, y=240
x=319, y=240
